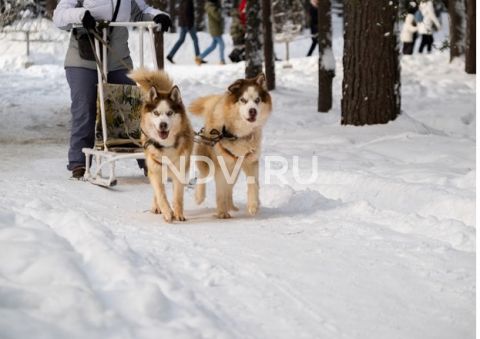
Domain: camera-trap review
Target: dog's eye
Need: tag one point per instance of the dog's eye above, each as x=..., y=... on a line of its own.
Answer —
x=169, y=113
x=257, y=100
x=156, y=113
x=243, y=100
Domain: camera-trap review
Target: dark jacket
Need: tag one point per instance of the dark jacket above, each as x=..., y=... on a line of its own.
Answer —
x=186, y=14
x=215, y=19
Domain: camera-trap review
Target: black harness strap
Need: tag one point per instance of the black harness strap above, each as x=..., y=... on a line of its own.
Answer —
x=216, y=136
x=151, y=142
x=115, y=13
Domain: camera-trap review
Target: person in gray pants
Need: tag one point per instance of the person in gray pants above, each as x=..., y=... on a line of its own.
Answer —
x=80, y=65
x=83, y=93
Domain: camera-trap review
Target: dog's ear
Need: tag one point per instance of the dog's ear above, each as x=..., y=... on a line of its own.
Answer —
x=236, y=86
x=261, y=81
x=175, y=95
x=152, y=94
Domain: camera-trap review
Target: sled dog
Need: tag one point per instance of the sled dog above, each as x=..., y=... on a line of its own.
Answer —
x=167, y=139
x=231, y=138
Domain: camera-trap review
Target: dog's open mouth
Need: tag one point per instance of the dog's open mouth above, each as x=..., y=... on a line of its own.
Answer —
x=163, y=134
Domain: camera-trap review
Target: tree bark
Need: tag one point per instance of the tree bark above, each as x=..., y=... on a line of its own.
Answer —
x=456, y=14
x=173, y=14
x=159, y=50
x=371, y=83
x=471, y=44
x=200, y=15
x=253, y=43
x=268, y=44
x=326, y=62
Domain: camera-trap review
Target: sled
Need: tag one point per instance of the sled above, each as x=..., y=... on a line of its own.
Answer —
x=118, y=114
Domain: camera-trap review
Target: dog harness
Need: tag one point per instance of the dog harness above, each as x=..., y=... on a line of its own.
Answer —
x=215, y=136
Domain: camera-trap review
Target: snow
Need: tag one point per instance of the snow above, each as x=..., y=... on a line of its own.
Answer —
x=328, y=60
x=380, y=245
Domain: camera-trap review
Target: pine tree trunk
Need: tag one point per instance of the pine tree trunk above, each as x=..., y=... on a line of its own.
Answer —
x=268, y=44
x=471, y=44
x=371, y=83
x=456, y=14
x=200, y=15
x=253, y=43
x=326, y=62
x=159, y=48
x=173, y=14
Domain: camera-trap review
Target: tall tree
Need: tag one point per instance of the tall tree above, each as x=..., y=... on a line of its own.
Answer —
x=253, y=39
x=456, y=14
x=471, y=45
x=371, y=82
x=172, y=10
x=326, y=61
x=268, y=44
x=200, y=15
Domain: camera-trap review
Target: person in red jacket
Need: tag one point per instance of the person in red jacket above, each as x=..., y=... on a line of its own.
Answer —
x=242, y=9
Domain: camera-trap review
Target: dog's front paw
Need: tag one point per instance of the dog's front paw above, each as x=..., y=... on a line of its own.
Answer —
x=253, y=208
x=179, y=216
x=223, y=215
x=155, y=210
x=168, y=216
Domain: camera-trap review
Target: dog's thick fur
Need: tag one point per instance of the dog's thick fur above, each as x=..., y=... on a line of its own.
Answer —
x=166, y=133
x=234, y=111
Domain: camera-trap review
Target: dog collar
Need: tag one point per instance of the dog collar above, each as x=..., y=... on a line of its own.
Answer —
x=226, y=134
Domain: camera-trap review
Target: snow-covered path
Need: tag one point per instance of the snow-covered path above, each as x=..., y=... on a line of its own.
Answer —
x=382, y=245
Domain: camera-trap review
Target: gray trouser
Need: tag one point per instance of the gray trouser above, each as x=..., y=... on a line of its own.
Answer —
x=83, y=93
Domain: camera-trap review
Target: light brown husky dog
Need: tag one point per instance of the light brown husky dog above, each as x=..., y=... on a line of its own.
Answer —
x=235, y=121
x=167, y=138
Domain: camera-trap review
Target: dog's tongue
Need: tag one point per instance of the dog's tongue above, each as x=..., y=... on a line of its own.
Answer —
x=164, y=134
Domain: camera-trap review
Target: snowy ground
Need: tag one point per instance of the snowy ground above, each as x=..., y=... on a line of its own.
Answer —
x=382, y=245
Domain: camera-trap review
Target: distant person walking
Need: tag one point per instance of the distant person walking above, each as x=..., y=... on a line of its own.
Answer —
x=313, y=25
x=409, y=31
x=425, y=28
x=213, y=9
x=186, y=21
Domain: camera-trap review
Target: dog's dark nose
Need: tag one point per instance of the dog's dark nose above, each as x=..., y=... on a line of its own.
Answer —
x=163, y=126
x=252, y=112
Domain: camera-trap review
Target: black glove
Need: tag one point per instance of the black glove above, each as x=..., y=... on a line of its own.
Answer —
x=164, y=20
x=88, y=21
